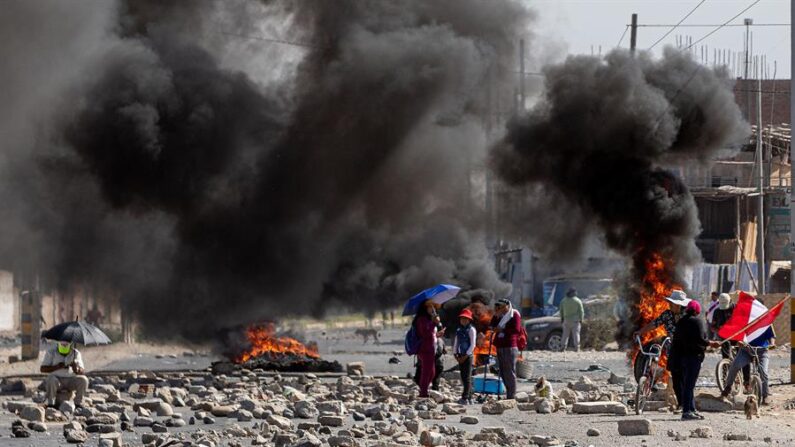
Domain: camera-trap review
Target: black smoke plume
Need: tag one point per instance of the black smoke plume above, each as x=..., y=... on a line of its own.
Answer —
x=211, y=179
x=601, y=143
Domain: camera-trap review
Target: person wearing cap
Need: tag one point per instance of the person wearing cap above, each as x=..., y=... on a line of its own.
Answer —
x=572, y=314
x=507, y=324
x=690, y=341
x=463, y=351
x=677, y=300
x=719, y=318
x=64, y=367
x=713, y=306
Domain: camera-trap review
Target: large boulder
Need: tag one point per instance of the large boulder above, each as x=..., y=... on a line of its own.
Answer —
x=498, y=406
x=709, y=403
x=635, y=427
x=584, y=384
x=33, y=413
x=599, y=407
x=568, y=395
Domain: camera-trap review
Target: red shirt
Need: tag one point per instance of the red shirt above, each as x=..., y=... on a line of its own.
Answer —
x=426, y=329
x=509, y=337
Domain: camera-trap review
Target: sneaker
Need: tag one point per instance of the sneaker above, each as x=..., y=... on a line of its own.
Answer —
x=690, y=417
x=765, y=402
x=462, y=401
x=698, y=415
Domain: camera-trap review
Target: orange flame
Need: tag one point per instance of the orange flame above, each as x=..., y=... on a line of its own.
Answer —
x=483, y=347
x=482, y=320
x=263, y=341
x=656, y=285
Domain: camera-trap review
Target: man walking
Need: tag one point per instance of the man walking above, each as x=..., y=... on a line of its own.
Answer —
x=64, y=367
x=572, y=314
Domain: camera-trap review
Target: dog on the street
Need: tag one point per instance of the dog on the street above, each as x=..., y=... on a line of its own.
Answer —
x=366, y=334
x=751, y=407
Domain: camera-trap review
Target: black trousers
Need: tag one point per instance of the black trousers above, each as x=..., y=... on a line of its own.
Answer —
x=690, y=368
x=676, y=379
x=466, y=377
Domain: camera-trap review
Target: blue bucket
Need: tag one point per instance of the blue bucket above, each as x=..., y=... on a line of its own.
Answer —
x=488, y=385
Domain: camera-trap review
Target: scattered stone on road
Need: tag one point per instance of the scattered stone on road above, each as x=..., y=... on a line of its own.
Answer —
x=635, y=427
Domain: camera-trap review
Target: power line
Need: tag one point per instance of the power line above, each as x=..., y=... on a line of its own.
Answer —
x=723, y=25
x=708, y=25
x=626, y=28
x=680, y=22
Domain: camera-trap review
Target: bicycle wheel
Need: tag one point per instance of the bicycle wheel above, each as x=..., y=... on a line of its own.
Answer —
x=722, y=372
x=642, y=393
x=756, y=387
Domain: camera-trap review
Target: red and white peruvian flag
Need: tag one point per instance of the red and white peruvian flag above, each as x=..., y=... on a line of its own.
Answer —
x=750, y=319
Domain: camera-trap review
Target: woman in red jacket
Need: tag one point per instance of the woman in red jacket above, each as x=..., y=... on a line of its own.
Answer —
x=507, y=323
x=425, y=321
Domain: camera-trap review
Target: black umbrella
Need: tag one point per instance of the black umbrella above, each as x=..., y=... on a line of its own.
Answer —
x=77, y=332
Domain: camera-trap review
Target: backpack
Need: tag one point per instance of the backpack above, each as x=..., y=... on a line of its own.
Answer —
x=521, y=340
x=412, y=341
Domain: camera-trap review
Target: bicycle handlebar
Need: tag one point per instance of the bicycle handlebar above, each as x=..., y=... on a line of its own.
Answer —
x=658, y=346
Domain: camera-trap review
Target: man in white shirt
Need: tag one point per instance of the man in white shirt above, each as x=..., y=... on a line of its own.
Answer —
x=64, y=367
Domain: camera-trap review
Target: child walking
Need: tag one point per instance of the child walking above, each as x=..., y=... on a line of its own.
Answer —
x=463, y=349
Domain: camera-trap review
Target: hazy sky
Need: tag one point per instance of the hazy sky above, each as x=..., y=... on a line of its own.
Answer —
x=576, y=25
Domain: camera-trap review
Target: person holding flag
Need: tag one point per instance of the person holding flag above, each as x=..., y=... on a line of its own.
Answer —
x=751, y=324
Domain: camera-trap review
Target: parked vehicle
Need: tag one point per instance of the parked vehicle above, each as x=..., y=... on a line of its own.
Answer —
x=587, y=286
x=547, y=332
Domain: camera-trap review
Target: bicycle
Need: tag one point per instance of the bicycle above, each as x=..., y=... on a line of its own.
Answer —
x=754, y=382
x=651, y=372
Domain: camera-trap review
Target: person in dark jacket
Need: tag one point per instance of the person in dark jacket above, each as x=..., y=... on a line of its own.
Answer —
x=687, y=353
x=507, y=324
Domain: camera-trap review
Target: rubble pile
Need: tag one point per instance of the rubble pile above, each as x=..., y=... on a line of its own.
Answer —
x=259, y=408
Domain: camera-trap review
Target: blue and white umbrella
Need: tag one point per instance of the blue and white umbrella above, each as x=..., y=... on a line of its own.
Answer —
x=439, y=294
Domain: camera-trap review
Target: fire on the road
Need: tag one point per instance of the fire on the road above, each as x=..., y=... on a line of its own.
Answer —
x=656, y=285
x=264, y=341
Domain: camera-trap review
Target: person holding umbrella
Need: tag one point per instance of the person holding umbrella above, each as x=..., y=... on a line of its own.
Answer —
x=424, y=329
x=64, y=367
x=63, y=363
x=425, y=322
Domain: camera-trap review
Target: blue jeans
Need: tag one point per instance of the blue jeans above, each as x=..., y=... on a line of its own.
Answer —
x=743, y=359
x=690, y=367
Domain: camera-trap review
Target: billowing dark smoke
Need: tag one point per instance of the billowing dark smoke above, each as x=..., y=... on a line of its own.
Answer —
x=212, y=180
x=598, y=144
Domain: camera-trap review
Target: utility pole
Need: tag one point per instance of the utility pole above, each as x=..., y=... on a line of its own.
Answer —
x=792, y=198
x=633, y=35
x=748, y=23
x=521, y=76
x=760, y=227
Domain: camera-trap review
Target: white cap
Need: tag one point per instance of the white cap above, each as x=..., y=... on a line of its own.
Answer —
x=678, y=297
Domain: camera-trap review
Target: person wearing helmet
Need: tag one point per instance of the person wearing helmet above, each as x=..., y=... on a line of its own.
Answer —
x=463, y=350
x=64, y=367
